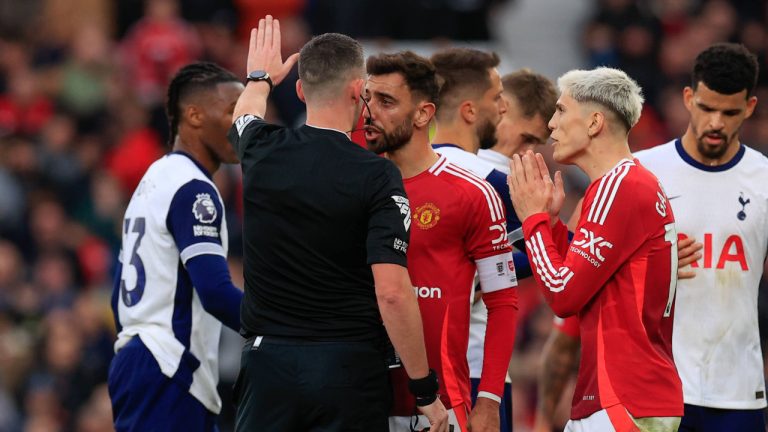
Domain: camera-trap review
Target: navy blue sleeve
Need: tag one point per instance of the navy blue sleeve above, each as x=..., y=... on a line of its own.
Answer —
x=522, y=265
x=498, y=180
x=194, y=220
x=219, y=296
x=116, y=294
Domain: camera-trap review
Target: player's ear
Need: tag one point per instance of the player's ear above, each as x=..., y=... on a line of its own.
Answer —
x=424, y=114
x=194, y=115
x=468, y=111
x=751, y=103
x=596, y=123
x=688, y=97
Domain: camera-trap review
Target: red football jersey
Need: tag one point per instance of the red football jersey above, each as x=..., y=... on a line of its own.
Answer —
x=619, y=275
x=458, y=227
x=569, y=326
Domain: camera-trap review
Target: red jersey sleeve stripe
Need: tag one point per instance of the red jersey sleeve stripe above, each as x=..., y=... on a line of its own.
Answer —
x=614, y=189
x=594, y=205
x=598, y=204
x=544, y=266
x=494, y=203
x=487, y=188
x=606, y=193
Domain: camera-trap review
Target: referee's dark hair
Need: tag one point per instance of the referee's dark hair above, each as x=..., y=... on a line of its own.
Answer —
x=726, y=68
x=464, y=72
x=327, y=62
x=189, y=80
x=418, y=72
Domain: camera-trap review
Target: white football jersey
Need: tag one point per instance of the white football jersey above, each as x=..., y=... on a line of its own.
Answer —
x=175, y=214
x=716, y=343
x=498, y=160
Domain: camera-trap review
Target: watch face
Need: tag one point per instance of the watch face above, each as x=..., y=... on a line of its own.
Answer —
x=258, y=75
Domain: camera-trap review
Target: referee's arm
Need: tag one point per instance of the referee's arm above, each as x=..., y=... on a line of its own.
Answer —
x=263, y=55
x=402, y=319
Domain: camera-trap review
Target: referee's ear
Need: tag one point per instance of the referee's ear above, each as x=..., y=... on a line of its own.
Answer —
x=300, y=91
x=357, y=89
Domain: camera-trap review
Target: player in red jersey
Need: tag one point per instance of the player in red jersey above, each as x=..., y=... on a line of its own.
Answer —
x=619, y=274
x=458, y=227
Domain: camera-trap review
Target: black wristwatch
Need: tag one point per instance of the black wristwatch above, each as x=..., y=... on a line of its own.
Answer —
x=260, y=75
x=424, y=389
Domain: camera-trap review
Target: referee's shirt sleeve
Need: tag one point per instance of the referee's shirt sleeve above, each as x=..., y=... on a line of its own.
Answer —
x=389, y=216
x=247, y=130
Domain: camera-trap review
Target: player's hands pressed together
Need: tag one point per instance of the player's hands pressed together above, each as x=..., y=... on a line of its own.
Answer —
x=437, y=416
x=484, y=416
x=532, y=189
x=688, y=251
x=264, y=51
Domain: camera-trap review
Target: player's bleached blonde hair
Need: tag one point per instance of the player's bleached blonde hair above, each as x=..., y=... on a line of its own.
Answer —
x=608, y=87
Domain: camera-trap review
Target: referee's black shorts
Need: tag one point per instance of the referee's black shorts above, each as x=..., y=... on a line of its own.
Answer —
x=288, y=384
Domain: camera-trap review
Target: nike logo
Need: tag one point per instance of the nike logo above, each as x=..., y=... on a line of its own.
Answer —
x=673, y=197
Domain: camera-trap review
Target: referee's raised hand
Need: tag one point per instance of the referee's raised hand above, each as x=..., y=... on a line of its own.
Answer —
x=264, y=51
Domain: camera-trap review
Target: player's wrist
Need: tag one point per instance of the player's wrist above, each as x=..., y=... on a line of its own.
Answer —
x=489, y=397
x=424, y=389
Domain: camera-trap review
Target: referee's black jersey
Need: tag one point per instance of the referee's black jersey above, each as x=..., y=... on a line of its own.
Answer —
x=318, y=211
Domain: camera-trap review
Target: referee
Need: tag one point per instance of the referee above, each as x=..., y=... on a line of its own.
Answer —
x=326, y=231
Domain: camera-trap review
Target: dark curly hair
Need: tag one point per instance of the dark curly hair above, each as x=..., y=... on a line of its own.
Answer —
x=726, y=68
x=190, y=79
x=419, y=73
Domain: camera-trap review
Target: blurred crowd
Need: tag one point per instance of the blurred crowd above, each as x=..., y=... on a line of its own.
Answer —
x=82, y=87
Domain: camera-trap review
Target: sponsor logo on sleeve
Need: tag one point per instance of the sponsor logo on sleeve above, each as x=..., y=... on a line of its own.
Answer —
x=590, y=247
x=405, y=209
x=400, y=245
x=205, y=231
x=499, y=242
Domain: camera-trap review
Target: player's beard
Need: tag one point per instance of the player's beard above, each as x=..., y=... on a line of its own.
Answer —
x=486, y=134
x=714, y=152
x=389, y=142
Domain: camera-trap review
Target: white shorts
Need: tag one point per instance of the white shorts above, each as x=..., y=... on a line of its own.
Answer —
x=405, y=424
x=618, y=419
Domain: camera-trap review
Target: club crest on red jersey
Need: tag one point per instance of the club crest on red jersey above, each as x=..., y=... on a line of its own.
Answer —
x=426, y=216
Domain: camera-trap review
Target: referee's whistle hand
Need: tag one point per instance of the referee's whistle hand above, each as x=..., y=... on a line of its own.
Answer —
x=264, y=51
x=437, y=415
